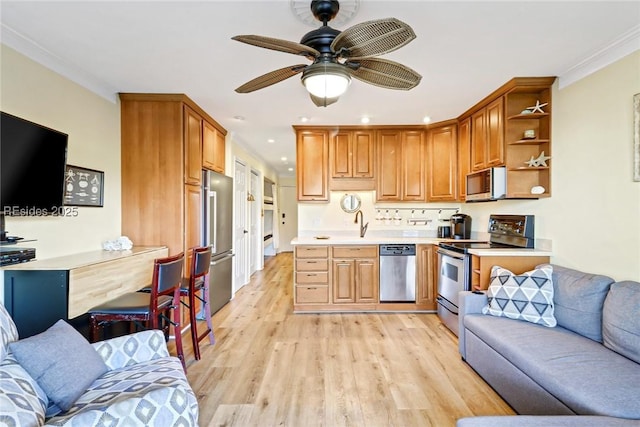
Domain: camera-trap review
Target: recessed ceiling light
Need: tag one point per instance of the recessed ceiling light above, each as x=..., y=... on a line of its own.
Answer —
x=426, y=119
x=365, y=120
x=239, y=118
x=271, y=141
x=284, y=159
x=290, y=169
x=304, y=119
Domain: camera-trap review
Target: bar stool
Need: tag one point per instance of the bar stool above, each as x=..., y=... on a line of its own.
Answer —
x=198, y=281
x=149, y=308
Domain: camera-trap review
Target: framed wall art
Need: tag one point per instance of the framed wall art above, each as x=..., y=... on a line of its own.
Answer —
x=636, y=137
x=83, y=187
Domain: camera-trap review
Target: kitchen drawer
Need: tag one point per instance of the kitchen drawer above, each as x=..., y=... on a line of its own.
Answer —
x=312, y=265
x=317, y=277
x=355, y=251
x=312, y=252
x=318, y=294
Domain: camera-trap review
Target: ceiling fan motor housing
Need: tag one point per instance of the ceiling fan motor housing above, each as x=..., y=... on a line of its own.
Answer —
x=320, y=39
x=325, y=10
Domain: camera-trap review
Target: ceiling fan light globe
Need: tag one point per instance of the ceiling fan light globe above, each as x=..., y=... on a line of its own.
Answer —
x=326, y=80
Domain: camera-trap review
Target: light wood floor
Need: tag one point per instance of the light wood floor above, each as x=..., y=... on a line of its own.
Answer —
x=270, y=367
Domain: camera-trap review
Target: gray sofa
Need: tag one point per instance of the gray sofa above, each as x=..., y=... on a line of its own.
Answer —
x=587, y=365
x=137, y=382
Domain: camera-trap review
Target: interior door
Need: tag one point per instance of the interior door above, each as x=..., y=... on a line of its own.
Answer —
x=241, y=233
x=255, y=223
x=287, y=220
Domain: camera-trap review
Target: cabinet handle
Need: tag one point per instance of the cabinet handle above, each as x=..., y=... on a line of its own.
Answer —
x=311, y=289
x=312, y=262
x=311, y=275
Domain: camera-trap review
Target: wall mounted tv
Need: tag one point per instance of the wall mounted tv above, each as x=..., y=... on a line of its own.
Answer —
x=32, y=167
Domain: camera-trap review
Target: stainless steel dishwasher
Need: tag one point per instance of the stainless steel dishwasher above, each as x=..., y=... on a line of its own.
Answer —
x=397, y=273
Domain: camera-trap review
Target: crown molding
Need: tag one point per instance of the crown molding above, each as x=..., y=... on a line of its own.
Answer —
x=43, y=56
x=620, y=47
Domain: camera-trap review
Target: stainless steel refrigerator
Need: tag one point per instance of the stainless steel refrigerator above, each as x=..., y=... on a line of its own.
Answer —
x=217, y=196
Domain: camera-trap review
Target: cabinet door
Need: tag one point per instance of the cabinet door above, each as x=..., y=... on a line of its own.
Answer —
x=192, y=146
x=341, y=154
x=312, y=151
x=192, y=226
x=389, y=165
x=362, y=158
x=343, y=276
x=464, y=156
x=478, y=141
x=495, y=133
x=367, y=279
x=427, y=276
x=219, y=152
x=441, y=161
x=413, y=170
x=208, y=145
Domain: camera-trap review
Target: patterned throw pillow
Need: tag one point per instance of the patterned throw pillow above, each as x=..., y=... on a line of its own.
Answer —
x=528, y=296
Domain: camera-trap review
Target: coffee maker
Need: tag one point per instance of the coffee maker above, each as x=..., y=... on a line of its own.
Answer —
x=460, y=226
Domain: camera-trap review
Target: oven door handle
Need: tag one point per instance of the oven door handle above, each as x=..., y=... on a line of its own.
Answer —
x=451, y=254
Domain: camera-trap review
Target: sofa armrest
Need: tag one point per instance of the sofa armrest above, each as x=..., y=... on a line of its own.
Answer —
x=131, y=349
x=469, y=303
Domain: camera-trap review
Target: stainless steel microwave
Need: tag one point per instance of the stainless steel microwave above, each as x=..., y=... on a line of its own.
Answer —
x=487, y=184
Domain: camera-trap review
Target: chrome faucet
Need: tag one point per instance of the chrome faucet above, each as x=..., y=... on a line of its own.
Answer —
x=363, y=226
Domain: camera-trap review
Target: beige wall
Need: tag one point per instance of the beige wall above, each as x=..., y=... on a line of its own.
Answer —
x=593, y=216
x=35, y=93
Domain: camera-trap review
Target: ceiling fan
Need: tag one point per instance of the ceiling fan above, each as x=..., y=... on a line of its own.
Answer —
x=337, y=56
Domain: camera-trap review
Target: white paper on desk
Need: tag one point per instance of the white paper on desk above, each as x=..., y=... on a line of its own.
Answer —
x=122, y=243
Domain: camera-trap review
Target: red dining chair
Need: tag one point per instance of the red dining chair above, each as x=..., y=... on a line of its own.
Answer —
x=153, y=308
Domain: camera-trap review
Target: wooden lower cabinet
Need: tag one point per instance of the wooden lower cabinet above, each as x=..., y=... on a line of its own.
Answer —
x=355, y=274
x=427, y=280
x=481, y=267
x=311, y=275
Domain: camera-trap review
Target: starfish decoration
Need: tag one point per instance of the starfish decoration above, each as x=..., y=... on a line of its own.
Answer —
x=538, y=107
x=532, y=163
x=542, y=160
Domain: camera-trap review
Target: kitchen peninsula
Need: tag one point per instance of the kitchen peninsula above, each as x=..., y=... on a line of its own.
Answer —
x=340, y=273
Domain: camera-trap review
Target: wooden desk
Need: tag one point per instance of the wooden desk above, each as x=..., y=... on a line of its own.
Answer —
x=38, y=293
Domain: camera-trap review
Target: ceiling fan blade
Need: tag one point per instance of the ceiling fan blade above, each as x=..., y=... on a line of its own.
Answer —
x=323, y=102
x=271, y=78
x=373, y=38
x=279, y=45
x=385, y=73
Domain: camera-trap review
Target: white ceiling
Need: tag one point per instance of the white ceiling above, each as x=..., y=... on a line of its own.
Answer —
x=464, y=50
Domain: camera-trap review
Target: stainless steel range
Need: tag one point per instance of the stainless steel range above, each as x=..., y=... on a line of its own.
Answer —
x=506, y=231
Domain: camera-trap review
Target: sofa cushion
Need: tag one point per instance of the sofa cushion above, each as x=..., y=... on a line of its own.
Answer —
x=8, y=332
x=527, y=296
x=62, y=362
x=22, y=401
x=583, y=374
x=621, y=319
x=578, y=299
x=151, y=393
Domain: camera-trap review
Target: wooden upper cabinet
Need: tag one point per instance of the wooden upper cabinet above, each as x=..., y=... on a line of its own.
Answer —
x=400, y=174
x=192, y=147
x=464, y=156
x=495, y=133
x=362, y=157
x=312, y=154
x=441, y=162
x=389, y=165
x=341, y=155
x=413, y=166
x=213, y=148
x=487, y=136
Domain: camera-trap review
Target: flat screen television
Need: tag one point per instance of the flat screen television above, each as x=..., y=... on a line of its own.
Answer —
x=32, y=168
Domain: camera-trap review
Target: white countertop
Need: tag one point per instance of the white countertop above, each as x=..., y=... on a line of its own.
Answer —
x=381, y=239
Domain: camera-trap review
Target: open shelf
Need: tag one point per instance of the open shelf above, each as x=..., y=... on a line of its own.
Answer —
x=528, y=142
x=528, y=168
x=528, y=116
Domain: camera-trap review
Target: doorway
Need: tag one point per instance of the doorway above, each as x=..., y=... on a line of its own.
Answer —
x=240, y=233
x=255, y=223
x=287, y=216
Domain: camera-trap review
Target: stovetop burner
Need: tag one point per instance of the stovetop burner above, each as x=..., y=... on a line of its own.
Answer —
x=463, y=247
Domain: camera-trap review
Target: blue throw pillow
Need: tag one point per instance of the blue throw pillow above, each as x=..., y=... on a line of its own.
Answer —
x=62, y=361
